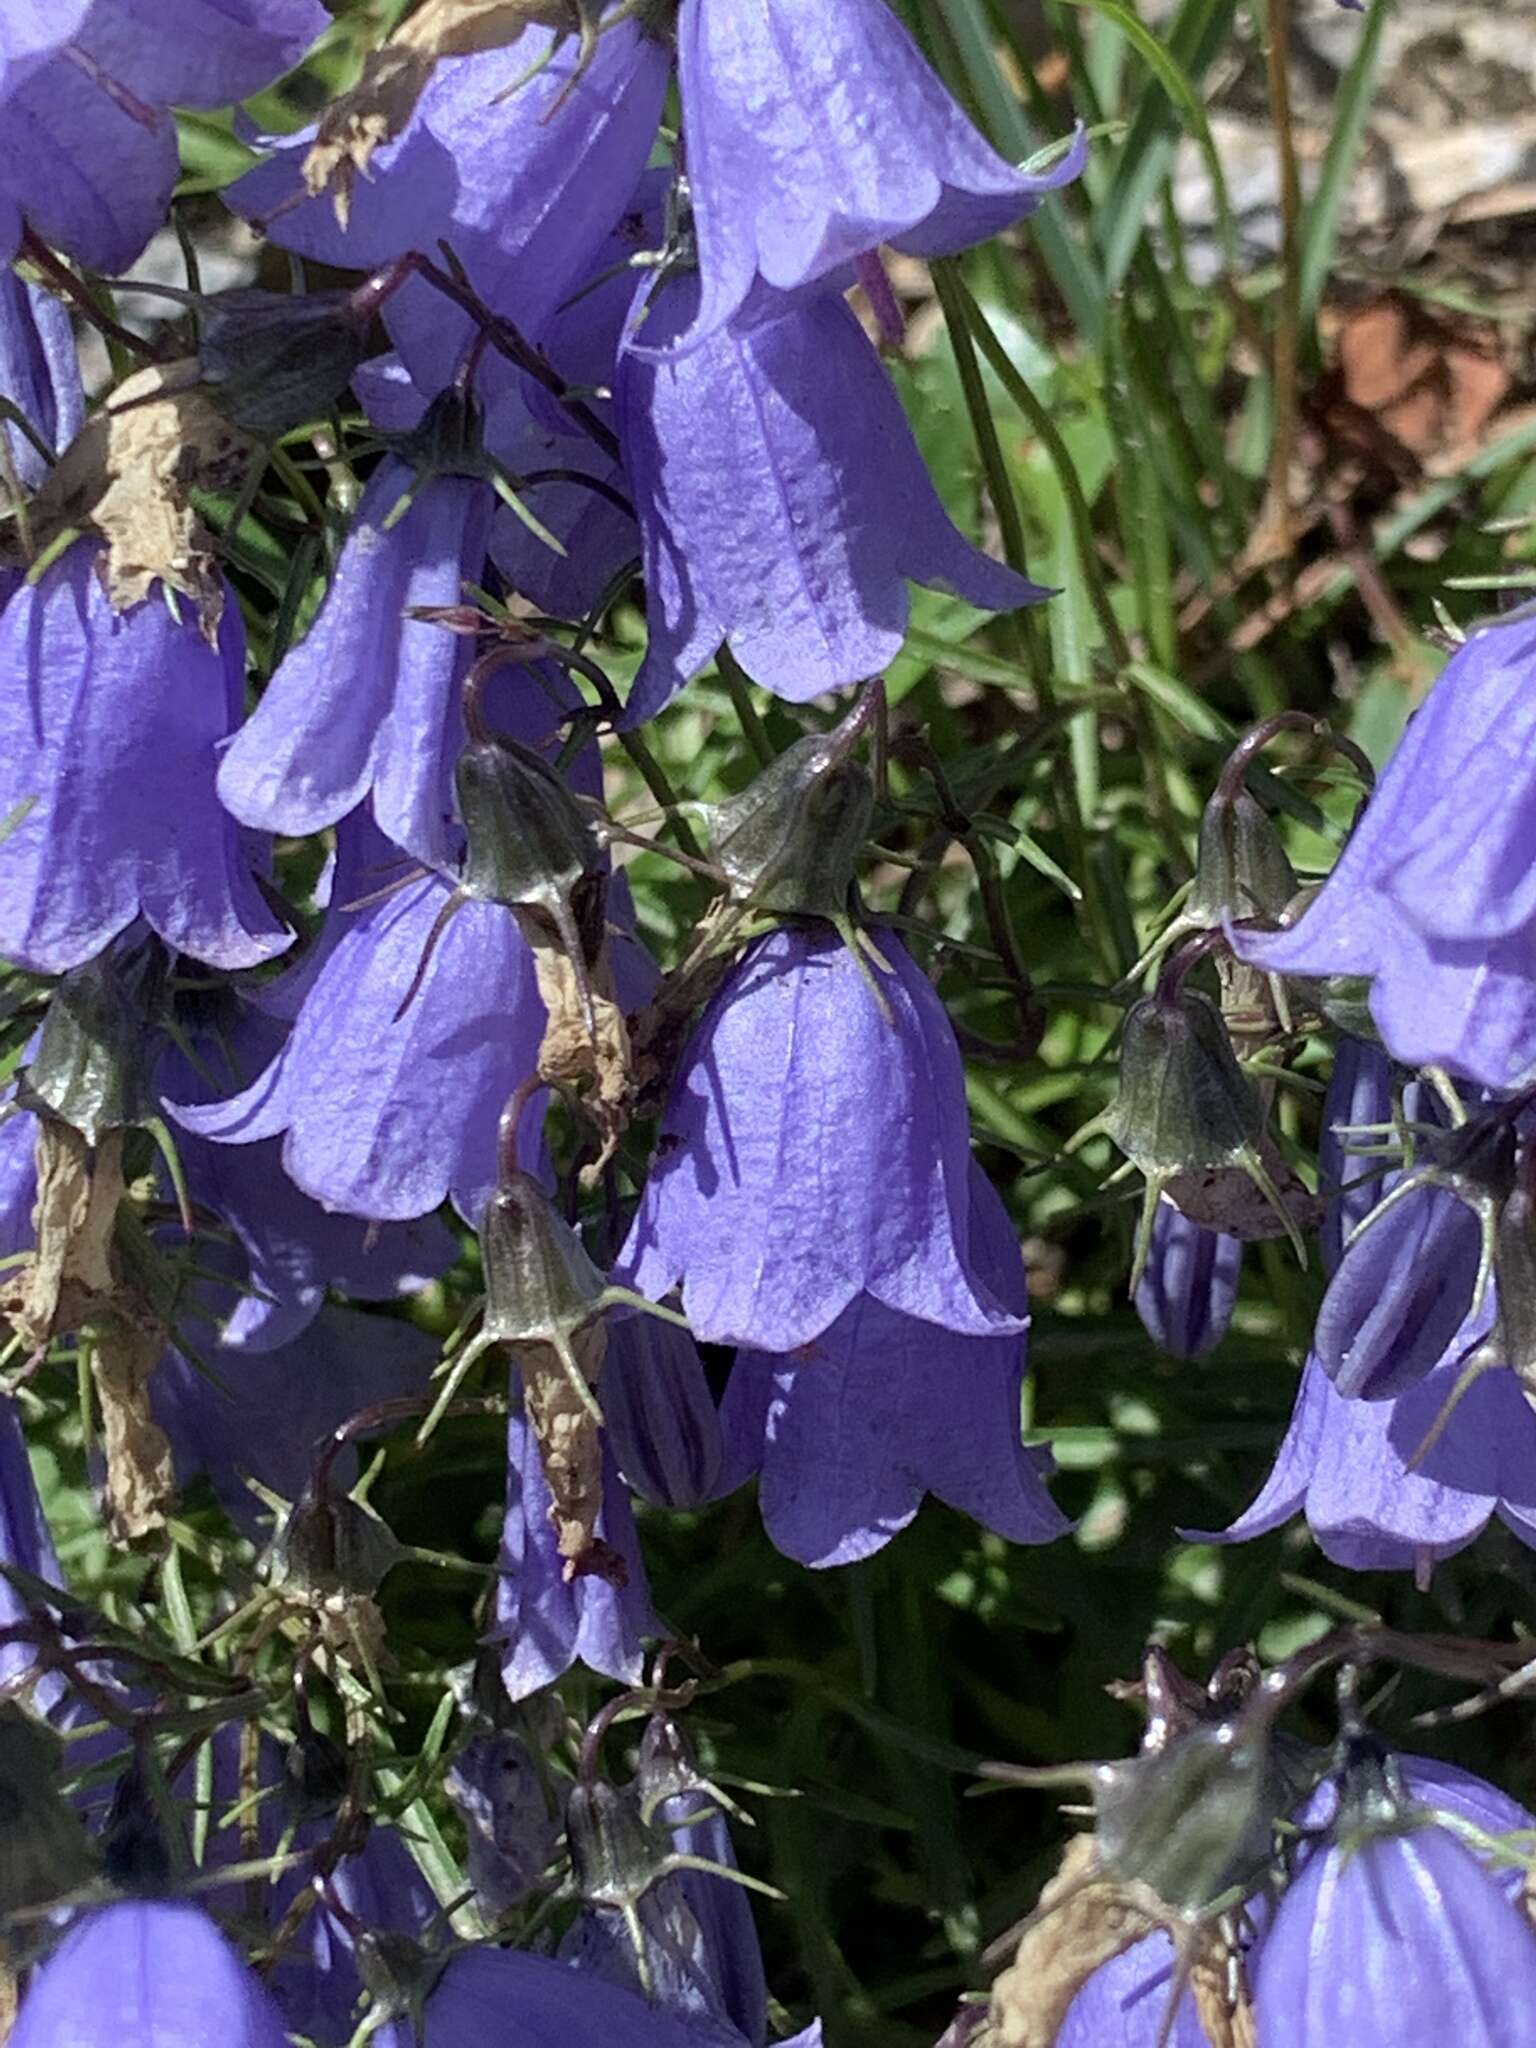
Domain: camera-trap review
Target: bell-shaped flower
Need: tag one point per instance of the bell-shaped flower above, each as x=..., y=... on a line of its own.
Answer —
x=549, y=1617
x=815, y=1148
x=1394, y=1934
x=114, y=723
x=1188, y=1288
x=147, y=1973
x=88, y=149
x=523, y=184
x=1124, y=2004
x=1374, y=1498
x=383, y=1114
x=814, y=134
x=1433, y=897
x=368, y=703
x=783, y=504
x=39, y=374
x=850, y=1432
x=510, y=1998
x=661, y=1415
x=511, y=1824
x=265, y=1415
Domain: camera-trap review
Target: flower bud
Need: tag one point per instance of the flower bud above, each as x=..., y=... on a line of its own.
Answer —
x=331, y=1544
x=791, y=838
x=94, y=1057
x=615, y=1857
x=272, y=360
x=540, y=1285
x=528, y=841
x=1241, y=866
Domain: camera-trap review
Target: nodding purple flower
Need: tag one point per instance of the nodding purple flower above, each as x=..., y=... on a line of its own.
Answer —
x=1359, y=1096
x=1124, y=2004
x=814, y=134
x=146, y=1973
x=525, y=188
x=661, y=1415
x=510, y=1998
x=511, y=1825
x=368, y=704
x=25, y=1538
x=88, y=151
x=383, y=1114
x=1188, y=1289
x=1372, y=1501
x=547, y=1621
x=39, y=374
x=114, y=722
x=783, y=504
x=843, y=1433
x=1434, y=896
x=815, y=1148
x=221, y=1419
x=1392, y=1932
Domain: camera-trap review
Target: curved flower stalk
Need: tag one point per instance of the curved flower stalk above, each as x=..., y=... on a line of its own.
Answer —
x=115, y=720
x=845, y=1437
x=1432, y=897
x=815, y=1148
x=88, y=153
x=783, y=504
x=816, y=133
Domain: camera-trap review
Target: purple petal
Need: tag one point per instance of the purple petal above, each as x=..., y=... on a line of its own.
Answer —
x=812, y=1151
x=1189, y=1289
x=660, y=1412
x=39, y=372
x=1400, y=1294
x=783, y=504
x=1359, y=1094
x=1125, y=2002
x=146, y=1973
x=816, y=133
x=546, y=1622
x=115, y=721
x=369, y=700
x=1399, y=1938
x=508, y=1998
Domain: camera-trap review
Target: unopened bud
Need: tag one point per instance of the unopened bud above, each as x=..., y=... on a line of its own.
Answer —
x=1241, y=868
x=528, y=840
x=540, y=1285
x=94, y=1054
x=272, y=360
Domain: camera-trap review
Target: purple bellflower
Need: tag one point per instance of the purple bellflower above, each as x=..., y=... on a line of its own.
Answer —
x=783, y=505
x=815, y=1148
x=844, y=1435
x=524, y=188
x=368, y=703
x=1124, y=2004
x=147, y=1973
x=1188, y=1288
x=1434, y=896
x=384, y=1115
x=598, y=535
x=814, y=134
x=1359, y=1095
x=546, y=1621
x=1373, y=1504
x=661, y=1415
x=25, y=1540
x=114, y=722
x=88, y=151
x=39, y=374
x=511, y=1832
x=1393, y=1934
x=509, y=1998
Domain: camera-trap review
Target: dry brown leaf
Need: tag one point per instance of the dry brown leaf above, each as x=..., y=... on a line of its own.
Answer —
x=1225, y=2024
x=1225, y=1198
x=394, y=77
x=69, y=1276
x=570, y=1446
x=597, y=1066
x=1081, y=1922
x=141, y=1479
x=129, y=473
